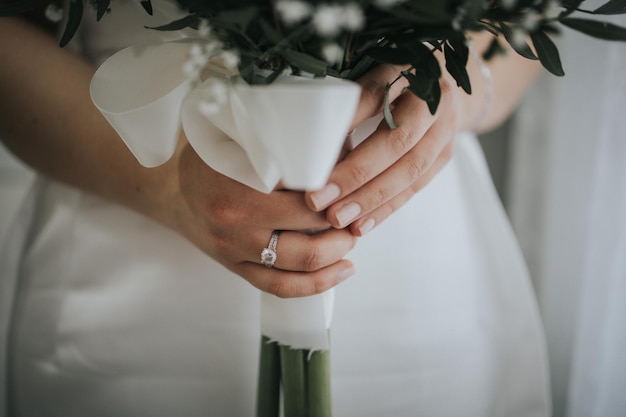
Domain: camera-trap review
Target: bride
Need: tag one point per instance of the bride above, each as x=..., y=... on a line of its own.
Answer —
x=134, y=292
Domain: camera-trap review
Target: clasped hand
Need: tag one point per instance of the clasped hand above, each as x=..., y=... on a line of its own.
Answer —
x=233, y=223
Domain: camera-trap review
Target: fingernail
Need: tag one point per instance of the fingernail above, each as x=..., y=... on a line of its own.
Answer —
x=324, y=196
x=367, y=226
x=346, y=273
x=348, y=213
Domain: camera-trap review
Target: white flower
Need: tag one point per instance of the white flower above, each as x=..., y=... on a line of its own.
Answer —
x=552, y=9
x=508, y=4
x=292, y=11
x=518, y=36
x=204, y=30
x=332, y=53
x=230, y=59
x=530, y=20
x=352, y=17
x=328, y=19
x=214, y=94
x=54, y=13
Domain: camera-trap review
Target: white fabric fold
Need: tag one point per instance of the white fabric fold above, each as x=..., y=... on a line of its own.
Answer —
x=289, y=132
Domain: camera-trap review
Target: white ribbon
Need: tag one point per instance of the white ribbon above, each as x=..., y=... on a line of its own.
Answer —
x=290, y=131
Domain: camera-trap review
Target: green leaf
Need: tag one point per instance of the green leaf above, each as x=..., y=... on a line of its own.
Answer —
x=612, y=7
x=101, y=8
x=523, y=50
x=548, y=53
x=426, y=87
x=182, y=23
x=597, y=29
x=456, y=65
x=18, y=7
x=74, y=17
x=305, y=62
x=147, y=6
x=387, y=109
x=391, y=55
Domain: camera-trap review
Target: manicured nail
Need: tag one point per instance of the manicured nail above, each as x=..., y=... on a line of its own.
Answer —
x=323, y=197
x=348, y=213
x=346, y=273
x=367, y=226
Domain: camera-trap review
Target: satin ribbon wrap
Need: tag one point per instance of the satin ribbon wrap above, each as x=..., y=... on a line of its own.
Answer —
x=290, y=131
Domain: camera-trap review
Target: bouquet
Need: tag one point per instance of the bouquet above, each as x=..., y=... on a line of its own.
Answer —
x=258, y=42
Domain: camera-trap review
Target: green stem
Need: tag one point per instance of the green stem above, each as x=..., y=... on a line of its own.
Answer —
x=268, y=387
x=318, y=370
x=293, y=372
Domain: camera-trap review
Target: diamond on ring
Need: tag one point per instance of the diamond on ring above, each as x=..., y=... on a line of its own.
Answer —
x=268, y=255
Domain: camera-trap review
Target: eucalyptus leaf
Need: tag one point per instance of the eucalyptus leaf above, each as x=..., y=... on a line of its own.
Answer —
x=182, y=23
x=101, y=8
x=456, y=66
x=523, y=50
x=612, y=7
x=305, y=62
x=387, y=109
x=548, y=53
x=597, y=29
x=147, y=6
x=75, y=15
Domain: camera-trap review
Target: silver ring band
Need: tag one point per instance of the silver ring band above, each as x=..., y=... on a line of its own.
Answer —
x=268, y=255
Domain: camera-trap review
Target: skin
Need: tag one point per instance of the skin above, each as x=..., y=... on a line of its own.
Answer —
x=47, y=119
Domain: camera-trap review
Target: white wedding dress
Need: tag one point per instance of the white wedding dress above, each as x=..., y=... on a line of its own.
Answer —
x=113, y=315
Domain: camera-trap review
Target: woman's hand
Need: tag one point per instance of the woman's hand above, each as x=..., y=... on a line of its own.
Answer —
x=391, y=165
x=233, y=223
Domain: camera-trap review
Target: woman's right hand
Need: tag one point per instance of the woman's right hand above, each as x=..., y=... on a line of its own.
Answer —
x=233, y=223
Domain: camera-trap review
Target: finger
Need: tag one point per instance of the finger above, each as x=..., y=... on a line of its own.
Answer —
x=382, y=149
x=298, y=251
x=377, y=216
x=399, y=176
x=373, y=85
x=288, y=284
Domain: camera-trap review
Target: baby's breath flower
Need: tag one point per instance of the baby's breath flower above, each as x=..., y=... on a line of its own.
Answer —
x=518, y=36
x=229, y=59
x=332, y=53
x=508, y=4
x=530, y=20
x=552, y=10
x=54, y=13
x=214, y=96
x=328, y=19
x=292, y=11
x=352, y=17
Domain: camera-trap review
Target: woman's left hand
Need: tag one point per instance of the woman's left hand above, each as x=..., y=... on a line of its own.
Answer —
x=391, y=165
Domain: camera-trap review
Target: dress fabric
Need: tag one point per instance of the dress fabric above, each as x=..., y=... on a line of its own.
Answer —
x=567, y=201
x=115, y=315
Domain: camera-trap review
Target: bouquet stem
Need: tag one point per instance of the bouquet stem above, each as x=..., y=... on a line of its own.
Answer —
x=303, y=375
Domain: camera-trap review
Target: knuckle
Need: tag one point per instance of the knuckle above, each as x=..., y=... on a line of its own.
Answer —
x=372, y=92
x=401, y=140
x=223, y=212
x=378, y=197
x=312, y=258
x=359, y=173
x=416, y=166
